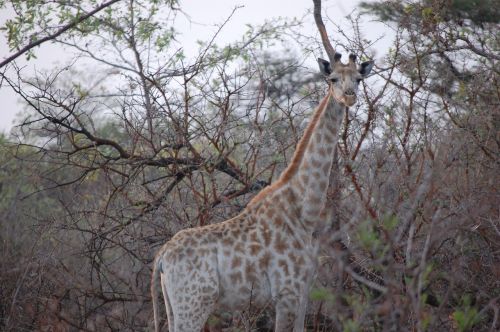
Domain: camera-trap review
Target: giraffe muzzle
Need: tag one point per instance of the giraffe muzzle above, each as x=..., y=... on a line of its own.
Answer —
x=349, y=92
x=349, y=99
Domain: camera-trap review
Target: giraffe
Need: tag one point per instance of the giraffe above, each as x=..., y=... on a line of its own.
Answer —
x=268, y=253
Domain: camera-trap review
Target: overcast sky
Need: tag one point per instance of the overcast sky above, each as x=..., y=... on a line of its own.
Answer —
x=203, y=16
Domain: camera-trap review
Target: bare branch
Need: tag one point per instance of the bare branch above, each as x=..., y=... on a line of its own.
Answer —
x=330, y=51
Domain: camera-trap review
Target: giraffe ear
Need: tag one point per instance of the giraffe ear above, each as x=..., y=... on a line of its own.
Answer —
x=324, y=67
x=365, y=68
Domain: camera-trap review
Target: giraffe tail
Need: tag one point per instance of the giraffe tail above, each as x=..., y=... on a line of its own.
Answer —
x=155, y=284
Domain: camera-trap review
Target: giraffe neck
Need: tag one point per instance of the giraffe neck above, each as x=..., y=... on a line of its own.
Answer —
x=303, y=184
x=311, y=179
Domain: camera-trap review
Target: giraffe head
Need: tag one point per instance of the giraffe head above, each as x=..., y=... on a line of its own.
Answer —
x=344, y=79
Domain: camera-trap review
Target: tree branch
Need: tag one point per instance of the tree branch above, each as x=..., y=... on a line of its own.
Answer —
x=330, y=51
x=56, y=34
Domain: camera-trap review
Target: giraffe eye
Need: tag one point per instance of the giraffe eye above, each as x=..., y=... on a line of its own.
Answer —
x=334, y=80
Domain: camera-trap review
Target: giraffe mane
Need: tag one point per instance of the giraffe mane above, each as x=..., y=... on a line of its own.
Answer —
x=298, y=155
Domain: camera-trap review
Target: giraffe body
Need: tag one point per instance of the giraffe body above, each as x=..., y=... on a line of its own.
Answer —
x=265, y=256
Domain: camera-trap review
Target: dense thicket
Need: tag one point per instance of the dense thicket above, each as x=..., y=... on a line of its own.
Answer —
x=134, y=140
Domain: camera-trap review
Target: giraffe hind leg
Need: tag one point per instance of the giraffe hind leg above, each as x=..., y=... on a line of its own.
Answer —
x=193, y=316
x=192, y=297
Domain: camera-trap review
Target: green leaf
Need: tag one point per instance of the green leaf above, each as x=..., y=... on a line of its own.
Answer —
x=467, y=316
x=321, y=294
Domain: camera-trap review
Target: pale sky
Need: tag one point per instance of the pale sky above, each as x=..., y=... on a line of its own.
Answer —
x=203, y=15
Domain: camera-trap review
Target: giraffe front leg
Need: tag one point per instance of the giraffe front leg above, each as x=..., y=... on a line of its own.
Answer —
x=288, y=315
x=304, y=299
x=301, y=310
x=285, y=319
